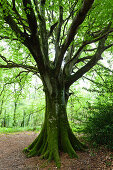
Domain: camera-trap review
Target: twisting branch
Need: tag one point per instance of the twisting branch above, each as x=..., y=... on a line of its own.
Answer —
x=74, y=60
x=11, y=64
x=4, y=58
x=94, y=59
x=21, y=73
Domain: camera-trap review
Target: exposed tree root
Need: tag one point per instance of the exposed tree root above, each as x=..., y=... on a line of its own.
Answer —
x=48, y=148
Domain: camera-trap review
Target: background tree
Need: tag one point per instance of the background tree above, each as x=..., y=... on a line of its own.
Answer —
x=78, y=34
x=23, y=89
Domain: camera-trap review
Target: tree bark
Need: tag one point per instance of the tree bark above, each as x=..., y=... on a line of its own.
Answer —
x=56, y=134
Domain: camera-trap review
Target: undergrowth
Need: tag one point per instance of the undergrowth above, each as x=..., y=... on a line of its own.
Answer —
x=6, y=130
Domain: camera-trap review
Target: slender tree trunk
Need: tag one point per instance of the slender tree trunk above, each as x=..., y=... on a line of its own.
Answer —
x=56, y=134
x=14, y=115
x=4, y=122
x=23, y=121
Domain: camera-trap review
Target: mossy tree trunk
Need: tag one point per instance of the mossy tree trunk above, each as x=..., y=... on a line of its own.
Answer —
x=56, y=134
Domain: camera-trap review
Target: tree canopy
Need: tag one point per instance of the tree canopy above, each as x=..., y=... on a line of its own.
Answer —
x=69, y=35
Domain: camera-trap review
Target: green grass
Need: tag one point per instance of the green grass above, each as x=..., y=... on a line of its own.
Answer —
x=17, y=129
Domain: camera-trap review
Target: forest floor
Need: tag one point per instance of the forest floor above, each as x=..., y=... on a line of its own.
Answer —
x=12, y=157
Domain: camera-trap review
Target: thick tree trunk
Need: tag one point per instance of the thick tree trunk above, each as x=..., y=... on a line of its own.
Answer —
x=56, y=134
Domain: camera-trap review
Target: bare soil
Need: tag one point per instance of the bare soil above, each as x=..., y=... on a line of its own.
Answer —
x=12, y=157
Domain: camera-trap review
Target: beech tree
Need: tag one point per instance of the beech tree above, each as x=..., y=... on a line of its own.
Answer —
x=66, y=39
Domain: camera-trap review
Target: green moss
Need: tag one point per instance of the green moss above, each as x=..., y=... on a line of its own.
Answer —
x=55, y=135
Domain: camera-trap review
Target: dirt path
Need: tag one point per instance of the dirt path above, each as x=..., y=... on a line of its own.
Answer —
x=12, y=158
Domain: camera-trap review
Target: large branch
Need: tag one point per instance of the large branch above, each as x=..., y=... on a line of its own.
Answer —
x=58, y=31
x=69, y=65
x=30, y=16
x=94, y=59
x=18, y=17
x=31, y=42
x=77, y=21
x=43, y=31
x=11, y=22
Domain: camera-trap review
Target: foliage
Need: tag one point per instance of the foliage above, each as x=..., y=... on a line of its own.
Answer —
x=17, y=129
x=100, y=122
x=77, y=112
